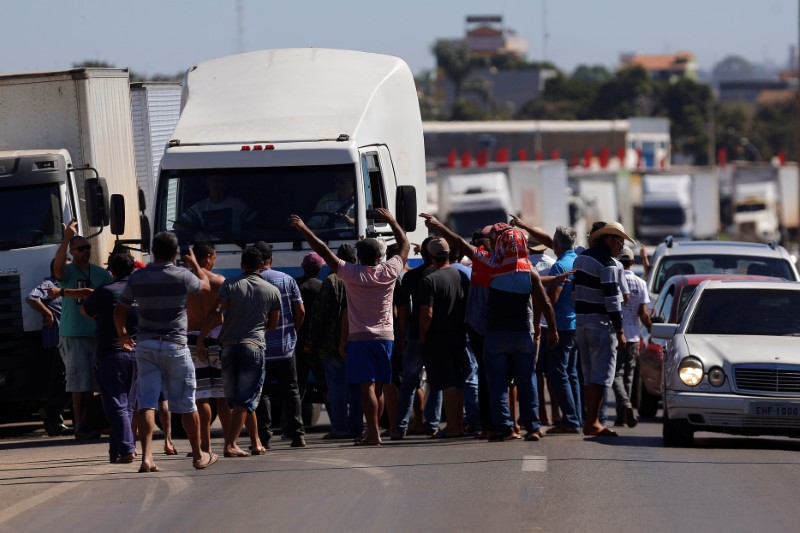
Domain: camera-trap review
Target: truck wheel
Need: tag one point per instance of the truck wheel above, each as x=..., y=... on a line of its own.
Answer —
x=677, y=433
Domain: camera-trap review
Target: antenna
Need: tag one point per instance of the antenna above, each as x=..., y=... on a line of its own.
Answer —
x=239, y=26
x=545, y=35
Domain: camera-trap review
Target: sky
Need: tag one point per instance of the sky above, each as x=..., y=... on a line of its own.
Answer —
x=169, y=36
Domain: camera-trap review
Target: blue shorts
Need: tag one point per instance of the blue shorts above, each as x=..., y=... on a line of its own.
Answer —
x=165, y=367
x=369, y=362
x=243, y=374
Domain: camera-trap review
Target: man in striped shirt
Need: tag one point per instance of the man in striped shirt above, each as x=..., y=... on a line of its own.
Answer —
x=598, y=307
x=164, y=362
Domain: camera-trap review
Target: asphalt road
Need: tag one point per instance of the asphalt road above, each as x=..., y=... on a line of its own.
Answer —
x=563, y=483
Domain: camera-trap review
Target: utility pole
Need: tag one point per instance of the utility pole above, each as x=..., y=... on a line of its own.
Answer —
x=545, y=35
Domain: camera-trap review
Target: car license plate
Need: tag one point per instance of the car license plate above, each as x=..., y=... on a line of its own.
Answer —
x=781, y=410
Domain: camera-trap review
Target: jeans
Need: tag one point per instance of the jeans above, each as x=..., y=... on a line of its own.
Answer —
x=562, y=374
x=116, y=377
x=412, y=370
x=344, y=420
x=242, y=374
x=472, y=410
x=476, y=342
x=280, y=380
x=512, y=351
x=627, y=357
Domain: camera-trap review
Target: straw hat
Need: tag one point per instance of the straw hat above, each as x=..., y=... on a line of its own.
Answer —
x=611, y=228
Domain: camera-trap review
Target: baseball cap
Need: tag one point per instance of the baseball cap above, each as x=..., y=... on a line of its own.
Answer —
x=438, y=248
x=626, y=254
x=312, y=261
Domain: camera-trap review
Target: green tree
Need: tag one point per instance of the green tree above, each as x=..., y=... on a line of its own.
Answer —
x=628, y=94
x=688, y=105
x=456, y=63
x=774, y=129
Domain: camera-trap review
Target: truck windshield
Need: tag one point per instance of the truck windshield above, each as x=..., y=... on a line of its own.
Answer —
x=662, y=216
x=31, y=216
x=245, y=205
x=466, y=222
x=750, y=208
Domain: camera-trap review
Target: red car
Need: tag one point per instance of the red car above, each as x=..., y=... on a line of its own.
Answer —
x=668, y=308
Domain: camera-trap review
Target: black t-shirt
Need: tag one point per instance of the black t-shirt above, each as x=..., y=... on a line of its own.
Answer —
x=509, y=311
x=309, y=290
x=100, y=305
x=410, y=283
x=445, y=290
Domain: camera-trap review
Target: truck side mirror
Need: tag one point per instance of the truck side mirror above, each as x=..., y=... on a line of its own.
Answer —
x=142, y=202
x=144, y=228
x=97, y=206
x=406, y=207
x=117, y=214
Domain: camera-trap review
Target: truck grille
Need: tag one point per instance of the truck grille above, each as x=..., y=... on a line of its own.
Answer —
x=780, y=380
x=11, y=327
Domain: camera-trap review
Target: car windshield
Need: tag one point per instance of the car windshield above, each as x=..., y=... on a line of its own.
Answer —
x=243, y=205
x=746, y=312
x=721, y=264
x=31, y=216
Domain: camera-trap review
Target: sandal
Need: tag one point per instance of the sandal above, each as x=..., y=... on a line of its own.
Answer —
x=258, y=451
x=534, y=436
x=605, y=432
x=212, y=458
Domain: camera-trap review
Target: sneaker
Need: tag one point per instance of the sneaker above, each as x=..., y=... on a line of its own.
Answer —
x=630, y=417
x=298, y=442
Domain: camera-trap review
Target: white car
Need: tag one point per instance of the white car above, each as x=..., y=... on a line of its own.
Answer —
x=674, y=257
x=732, y=365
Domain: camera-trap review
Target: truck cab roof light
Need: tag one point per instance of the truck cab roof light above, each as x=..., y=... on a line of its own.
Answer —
x=245, y=148
x=258, y=147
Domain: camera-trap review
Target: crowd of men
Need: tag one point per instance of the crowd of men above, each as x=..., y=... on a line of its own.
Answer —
x=476, y=315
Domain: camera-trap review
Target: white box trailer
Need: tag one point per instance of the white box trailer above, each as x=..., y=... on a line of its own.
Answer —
x=155, y=108
x=50, y=124
x=539, y=193
x=266, y=134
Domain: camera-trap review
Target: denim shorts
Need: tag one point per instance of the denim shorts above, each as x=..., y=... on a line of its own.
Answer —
x=597, y=346
x=243, y=374
x=369, y=361
x=79, y=356
x=165, y=367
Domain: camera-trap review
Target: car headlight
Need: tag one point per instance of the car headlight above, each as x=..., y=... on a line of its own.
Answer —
x=716, y=376
x=691, y=371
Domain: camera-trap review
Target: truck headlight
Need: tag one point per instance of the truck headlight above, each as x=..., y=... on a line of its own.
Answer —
x=691, y=371
x=716, y=376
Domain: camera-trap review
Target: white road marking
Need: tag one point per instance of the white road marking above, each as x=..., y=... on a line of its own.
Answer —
x=30, y=503
x=534, y=463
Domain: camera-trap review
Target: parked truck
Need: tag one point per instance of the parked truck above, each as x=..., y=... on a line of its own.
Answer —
x=535, y=191
x=684, y=205
x=756, y=203
x=267, y=134
x=59, y=131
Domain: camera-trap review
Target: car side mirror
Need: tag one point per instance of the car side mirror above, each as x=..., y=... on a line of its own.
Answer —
x=664, y=331
x=97, y=203
x=406, y=207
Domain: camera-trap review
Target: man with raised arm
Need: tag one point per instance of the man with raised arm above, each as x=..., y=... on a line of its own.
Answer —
x=370, y=287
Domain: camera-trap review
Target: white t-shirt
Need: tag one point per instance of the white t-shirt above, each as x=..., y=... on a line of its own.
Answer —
x=630, y=310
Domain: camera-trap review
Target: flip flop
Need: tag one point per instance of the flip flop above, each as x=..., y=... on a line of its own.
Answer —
x=258, y=451
x=144, y=469
x=365, y=443
x=213, y=458
x=605, y=432
x=236, y=454
x=170, y=451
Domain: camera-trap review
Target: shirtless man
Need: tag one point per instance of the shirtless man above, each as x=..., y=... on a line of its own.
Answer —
x=208, y=371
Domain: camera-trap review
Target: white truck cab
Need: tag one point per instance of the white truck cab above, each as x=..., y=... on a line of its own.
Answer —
x=325, y=134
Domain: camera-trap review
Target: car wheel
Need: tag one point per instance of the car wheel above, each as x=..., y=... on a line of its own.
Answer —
x=677, y=433
x=648, y=404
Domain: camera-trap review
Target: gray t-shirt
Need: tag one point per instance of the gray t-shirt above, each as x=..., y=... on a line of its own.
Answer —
x=249, y=300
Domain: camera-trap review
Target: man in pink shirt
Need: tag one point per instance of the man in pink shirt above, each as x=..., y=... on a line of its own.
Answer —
x=370, y=286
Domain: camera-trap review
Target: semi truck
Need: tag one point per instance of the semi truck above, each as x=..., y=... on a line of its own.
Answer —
x=684, y=205
x=329, y=135
x=59, y=132
x=536, y=191
x=756, y=203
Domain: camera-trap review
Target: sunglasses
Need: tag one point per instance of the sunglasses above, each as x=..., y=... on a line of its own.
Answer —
x=83, y=248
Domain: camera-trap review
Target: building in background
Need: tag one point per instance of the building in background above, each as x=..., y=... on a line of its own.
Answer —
x=664, y=67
